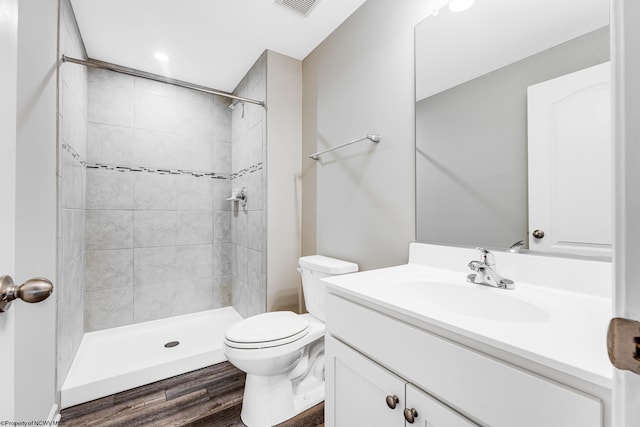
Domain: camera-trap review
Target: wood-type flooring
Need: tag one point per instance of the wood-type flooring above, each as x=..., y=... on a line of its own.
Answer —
x=208, y=397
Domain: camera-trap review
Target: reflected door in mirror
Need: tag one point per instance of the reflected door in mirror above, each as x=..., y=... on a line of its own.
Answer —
x=570, y=170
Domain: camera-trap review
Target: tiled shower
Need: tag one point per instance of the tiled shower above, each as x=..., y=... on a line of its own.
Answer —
x=155, y=233
x=248, y=223
x=146, y=168
x=72, y=149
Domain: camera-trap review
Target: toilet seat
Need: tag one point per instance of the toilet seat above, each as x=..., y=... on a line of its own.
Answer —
x=267, y=330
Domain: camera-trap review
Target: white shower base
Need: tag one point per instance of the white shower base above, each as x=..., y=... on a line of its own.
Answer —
x=118, y=359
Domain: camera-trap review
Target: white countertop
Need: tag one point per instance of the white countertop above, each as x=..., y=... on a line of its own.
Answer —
x=560, y=329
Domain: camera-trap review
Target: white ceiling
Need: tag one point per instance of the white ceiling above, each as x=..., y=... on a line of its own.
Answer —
x=208, y=42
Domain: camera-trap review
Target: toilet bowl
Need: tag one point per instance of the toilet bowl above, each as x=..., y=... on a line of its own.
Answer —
x=283, y=352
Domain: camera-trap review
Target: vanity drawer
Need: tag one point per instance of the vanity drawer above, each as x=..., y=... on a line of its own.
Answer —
x=484, y=389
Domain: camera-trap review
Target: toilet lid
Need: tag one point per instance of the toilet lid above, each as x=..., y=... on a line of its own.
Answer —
x=267, y=330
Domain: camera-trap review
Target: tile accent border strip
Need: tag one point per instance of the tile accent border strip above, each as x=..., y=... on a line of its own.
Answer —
x=197, y=174
x=74, y=154
x=245, y=171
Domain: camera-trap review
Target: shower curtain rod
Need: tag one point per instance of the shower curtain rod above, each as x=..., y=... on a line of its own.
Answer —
x=137, y=73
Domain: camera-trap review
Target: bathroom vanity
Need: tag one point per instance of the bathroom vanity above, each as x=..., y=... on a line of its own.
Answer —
x=418, y=344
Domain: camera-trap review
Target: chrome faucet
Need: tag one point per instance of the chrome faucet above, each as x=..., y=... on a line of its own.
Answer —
x=515, y=248
x=486, y=272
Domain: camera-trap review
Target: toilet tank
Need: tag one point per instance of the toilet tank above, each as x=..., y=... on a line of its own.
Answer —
x=316, y=267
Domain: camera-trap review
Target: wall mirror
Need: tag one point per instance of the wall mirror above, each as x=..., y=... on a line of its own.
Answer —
x=513, y=126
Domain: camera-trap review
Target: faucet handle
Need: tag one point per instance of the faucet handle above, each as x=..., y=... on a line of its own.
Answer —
x=475, y=265
x=487, y=257
x=516, y=246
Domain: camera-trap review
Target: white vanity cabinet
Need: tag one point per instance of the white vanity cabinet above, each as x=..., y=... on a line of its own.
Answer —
x=366, y=394
x=428, y=412
x=371, y=355
x=361, y=389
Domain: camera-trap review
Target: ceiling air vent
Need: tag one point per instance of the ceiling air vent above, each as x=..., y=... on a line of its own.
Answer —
x=302, y=7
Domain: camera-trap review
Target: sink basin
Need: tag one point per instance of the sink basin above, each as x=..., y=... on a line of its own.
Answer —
x=473, y=300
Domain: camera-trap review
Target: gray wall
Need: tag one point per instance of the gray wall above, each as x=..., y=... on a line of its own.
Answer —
x=248, y=223
x=72, y=140
x=471, y=148
x=284, y=133
x=155, y=237
x=358, y=202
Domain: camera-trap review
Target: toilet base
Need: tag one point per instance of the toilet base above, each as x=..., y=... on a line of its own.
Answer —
x=281, y=381
x=268, y=401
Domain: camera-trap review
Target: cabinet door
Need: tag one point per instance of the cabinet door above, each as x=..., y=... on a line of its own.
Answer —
x=428, y=412
x=357, y=389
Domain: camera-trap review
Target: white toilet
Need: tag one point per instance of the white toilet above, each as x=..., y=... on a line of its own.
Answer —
x=283, y=352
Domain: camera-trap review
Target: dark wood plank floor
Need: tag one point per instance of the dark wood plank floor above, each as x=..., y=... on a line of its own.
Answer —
x=208, y=397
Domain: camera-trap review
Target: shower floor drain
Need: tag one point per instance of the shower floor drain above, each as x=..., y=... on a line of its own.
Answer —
x=172, y=344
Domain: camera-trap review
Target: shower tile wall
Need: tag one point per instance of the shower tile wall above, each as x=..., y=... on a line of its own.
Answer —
x=158, y=242
x=72, y=118
x=248, y=167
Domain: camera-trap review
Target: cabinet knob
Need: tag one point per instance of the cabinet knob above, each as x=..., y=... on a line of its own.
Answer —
x=392, y=401
x=538, y=234
x=410, y=414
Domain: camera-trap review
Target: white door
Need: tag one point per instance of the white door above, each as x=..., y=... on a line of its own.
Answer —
x=27, y=204
x=626, y=256
x=570, y=176
x=8, y=76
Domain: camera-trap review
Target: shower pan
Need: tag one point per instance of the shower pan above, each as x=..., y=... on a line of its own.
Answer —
x=117, y=359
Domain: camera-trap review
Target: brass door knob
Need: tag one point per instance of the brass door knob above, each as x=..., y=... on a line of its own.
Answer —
x=33, y=290
x=410, y=414
x=538, y=234
x=392, y=401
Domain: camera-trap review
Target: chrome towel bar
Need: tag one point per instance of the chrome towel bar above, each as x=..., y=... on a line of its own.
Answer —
x=370, y=137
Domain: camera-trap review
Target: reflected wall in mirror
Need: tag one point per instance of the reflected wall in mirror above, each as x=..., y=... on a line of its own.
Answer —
x=473, y=70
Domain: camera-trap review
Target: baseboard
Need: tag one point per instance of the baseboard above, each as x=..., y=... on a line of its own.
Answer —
x=54, y=416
